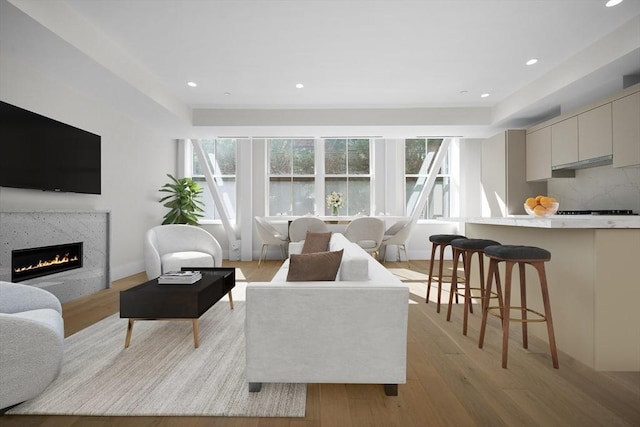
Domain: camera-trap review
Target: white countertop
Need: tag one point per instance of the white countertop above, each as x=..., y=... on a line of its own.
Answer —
x=559, y=221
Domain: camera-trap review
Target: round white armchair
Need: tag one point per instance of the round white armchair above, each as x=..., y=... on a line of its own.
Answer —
x=174, y=246
x=31, y=342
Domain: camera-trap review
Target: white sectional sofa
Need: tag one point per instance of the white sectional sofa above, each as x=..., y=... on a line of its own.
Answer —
x=351, y=330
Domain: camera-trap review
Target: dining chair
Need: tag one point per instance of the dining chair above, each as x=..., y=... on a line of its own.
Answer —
x=299, y=227
x=397, y=235
x=367, y=232
x=270, y=236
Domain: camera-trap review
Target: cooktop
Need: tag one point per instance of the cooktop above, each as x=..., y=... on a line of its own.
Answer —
x=597, y=212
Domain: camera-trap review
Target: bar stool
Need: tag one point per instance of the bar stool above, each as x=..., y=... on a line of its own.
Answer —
x=439, y=241
x=520, y=255
x=466, y=248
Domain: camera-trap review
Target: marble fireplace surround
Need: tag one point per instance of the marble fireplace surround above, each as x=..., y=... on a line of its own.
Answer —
x=21, y=230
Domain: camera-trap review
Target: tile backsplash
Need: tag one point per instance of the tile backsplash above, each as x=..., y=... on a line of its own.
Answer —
x=603, y=187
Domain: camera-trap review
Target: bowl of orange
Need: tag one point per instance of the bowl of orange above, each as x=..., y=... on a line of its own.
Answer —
x=541, y=206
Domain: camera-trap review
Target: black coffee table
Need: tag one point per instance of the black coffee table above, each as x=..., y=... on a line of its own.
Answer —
x=151, y=301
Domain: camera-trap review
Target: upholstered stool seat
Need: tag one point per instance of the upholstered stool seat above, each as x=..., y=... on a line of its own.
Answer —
x=521, y=255
x=439, y=241
x=465, y=248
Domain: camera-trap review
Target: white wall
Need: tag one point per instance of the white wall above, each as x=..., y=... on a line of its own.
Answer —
x=135, y=160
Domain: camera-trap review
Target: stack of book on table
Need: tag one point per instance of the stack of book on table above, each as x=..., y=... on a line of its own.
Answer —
x=179, y=277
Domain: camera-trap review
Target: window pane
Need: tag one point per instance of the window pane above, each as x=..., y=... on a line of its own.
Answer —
x=414, y=155
x=290, y=193
x=280, y=157
x=280, y=196
x=225, y=157
x=358, y=156
x=339, y=185
x=227, y=190
x=335, y=156
x=221, y=155
x=433, y=145
x=303, y=196
x=359, y=196
x=438, y=201
x=303, y=157
x=419, y=157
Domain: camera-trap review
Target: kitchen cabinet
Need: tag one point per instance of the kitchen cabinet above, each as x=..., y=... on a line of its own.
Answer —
x=538, y=154
x=595, y=133
x=503, y=176
x=626, y=131
x=564, y=142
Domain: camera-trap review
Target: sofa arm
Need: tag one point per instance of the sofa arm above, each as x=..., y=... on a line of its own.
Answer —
x=15, y=298
x=31, y=353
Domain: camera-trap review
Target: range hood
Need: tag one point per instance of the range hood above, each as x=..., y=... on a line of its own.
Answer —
x=583, y=164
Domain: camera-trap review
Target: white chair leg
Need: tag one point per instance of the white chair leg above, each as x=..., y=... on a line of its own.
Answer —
x=262, y=254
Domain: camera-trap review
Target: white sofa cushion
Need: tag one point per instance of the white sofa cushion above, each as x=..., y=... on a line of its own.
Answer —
x=174, y=261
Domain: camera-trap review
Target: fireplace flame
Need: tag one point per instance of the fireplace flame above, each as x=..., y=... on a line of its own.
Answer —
x=57, y=260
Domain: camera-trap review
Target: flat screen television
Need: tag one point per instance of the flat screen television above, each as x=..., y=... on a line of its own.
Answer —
x=41, y=153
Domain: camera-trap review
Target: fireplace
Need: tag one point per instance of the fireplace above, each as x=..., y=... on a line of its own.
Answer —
x=42, y=261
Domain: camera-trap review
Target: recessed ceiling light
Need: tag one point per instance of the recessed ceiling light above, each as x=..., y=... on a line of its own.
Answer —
x=192, y=84
x=532, y=61
x=464, y=91
x=227, y=93
x=484, y=95
x=612, y=3
x=299, y=85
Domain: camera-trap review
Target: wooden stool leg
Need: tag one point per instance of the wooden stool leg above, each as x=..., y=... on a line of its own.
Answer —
x=467, y=290
x=433, y=256
x=481, y=264
x=523, y=303
x=506, y=312
x=467, y=279
x=485, y=301
x=440, y=265
x=547, y=313
x=454, y=281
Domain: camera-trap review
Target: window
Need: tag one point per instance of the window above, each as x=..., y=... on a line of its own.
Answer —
x=221, y=155
x=291, y=176
x=419, y=156
x=347, y=169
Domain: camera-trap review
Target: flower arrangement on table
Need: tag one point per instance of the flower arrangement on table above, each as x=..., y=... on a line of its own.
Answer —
x=335, y=201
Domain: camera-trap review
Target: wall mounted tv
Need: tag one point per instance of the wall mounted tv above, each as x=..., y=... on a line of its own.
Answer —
x=41, y=153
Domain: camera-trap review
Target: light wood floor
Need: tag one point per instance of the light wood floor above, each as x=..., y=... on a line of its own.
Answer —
x=450, y=382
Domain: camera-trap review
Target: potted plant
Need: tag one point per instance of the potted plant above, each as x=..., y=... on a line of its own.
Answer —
x=183, y=201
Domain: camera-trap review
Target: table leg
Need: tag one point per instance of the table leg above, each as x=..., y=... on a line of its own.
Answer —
x=231, y=300
x=127, y=341
x=196, y=333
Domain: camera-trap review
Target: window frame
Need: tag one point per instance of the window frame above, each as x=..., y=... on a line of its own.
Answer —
x=446, y=177
x=190, y=160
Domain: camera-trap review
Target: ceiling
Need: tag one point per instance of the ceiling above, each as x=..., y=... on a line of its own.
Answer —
x=431, y=59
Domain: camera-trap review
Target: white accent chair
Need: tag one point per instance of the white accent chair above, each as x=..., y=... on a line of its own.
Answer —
x=174, y=246
x=366, y=232
x=396, y=235
x=270, y=236
x=299, y=227
x=31, y=342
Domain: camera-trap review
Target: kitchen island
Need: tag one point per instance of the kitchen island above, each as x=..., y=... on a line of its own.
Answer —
x=594, y=281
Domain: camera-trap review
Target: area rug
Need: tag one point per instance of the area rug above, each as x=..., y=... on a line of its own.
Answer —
x=161, y=373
